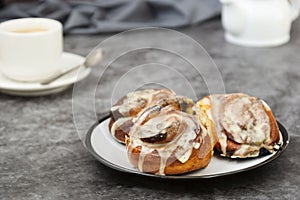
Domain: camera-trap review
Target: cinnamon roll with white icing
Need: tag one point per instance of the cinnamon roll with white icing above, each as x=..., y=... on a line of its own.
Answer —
x=243, y=126
x=122, y=113
x=166, y=141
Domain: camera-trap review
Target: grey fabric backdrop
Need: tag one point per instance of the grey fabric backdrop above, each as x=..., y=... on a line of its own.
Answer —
x=98, y=16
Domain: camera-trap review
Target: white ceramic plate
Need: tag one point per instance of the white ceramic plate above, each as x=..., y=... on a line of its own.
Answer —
x=113, y=154
x=33, y=89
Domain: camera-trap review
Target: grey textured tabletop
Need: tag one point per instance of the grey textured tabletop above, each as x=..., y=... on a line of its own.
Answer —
x=42, y=157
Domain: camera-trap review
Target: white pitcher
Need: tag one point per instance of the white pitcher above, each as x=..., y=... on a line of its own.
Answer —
x=258, y=22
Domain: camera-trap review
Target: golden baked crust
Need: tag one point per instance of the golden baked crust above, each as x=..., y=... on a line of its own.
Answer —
x=185, y=147
x=152, y=162
x=243, y=125
x=128, y=107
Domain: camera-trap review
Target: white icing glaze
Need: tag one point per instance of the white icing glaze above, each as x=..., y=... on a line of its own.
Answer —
x=196, y=145
x=114, y=108
x=185, y=156
x=138, y=101
x=280, y=142
x=179, y=146
x=143, y=98
x=217, y=103
x=245, y=120
x=142, y=157
x=117, y=124
x=246, y=150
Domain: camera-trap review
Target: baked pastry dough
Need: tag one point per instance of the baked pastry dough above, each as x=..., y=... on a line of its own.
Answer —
x=167, y=141
x=242, y=126
x=128, y=107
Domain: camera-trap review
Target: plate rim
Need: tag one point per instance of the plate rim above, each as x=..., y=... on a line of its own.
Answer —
x=88, y=145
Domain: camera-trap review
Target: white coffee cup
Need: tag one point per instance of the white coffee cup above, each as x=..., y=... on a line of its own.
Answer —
x=258, y=23
x=30, y=48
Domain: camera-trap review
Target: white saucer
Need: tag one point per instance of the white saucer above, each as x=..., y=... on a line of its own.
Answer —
x=68, y=60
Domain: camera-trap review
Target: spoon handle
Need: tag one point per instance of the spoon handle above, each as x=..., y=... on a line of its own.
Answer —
x=59, y=74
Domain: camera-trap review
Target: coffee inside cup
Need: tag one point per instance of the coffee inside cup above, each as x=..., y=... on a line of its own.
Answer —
x=29, y=30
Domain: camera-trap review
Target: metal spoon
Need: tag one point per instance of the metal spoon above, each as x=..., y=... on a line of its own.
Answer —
x=90, y=61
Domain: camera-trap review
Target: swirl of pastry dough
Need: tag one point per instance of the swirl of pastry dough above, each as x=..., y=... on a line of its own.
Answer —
x=168, y=141
x=129, y=106
x=244, y=125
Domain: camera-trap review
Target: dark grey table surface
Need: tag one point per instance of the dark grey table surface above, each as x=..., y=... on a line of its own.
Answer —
x=42, y=157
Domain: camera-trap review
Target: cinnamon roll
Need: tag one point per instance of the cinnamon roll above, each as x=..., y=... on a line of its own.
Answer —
x=242, y=126
x=122, y=113
x=166, y=141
